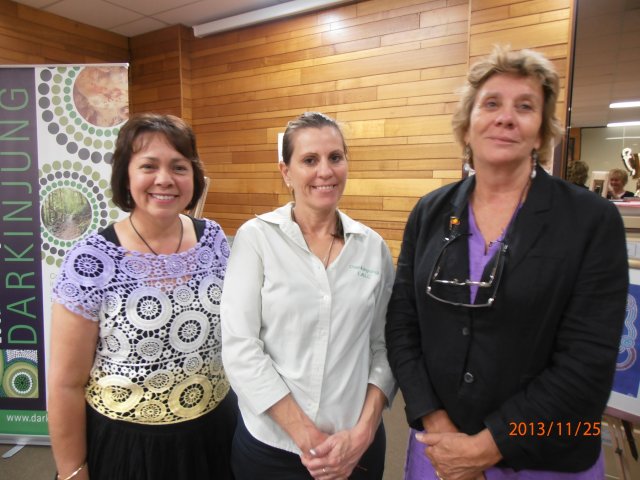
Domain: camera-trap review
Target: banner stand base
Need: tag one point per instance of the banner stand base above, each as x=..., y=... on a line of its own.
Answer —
x=10, y=453
x=20, y=441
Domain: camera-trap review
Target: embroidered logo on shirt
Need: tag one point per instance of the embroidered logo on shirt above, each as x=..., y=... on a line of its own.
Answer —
x=364, y=272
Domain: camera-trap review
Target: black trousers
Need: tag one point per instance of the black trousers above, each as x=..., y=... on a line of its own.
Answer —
x=252, y=459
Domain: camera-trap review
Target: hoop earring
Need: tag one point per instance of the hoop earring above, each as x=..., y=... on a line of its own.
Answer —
x=534, y=163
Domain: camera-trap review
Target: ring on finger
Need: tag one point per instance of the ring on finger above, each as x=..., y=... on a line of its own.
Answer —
x=324, y=470
x=438, y=475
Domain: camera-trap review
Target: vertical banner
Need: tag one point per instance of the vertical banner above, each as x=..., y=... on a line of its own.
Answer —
x=58, y=127
x=627, y=378
x=625, y=393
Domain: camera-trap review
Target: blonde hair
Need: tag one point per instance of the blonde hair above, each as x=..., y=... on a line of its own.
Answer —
x=619, y=173
x=524, y=63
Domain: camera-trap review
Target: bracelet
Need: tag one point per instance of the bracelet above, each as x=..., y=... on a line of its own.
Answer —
x=74, y=473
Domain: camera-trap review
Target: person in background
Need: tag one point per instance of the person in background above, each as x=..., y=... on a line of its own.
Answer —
x=506, y=314
x=136, y=384
x=303, y=313
x=617, y=180
x=577, y=173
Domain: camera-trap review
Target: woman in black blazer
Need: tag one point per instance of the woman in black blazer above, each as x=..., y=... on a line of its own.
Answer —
x=505, y=318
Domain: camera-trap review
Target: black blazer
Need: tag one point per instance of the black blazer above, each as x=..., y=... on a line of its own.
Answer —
x=544, y=352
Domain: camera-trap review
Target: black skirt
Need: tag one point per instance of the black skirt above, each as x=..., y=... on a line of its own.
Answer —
x=195, y=449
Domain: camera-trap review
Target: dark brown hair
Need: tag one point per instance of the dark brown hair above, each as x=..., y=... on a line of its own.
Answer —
x=578, y=172
x=307, y=120
x=179, y=135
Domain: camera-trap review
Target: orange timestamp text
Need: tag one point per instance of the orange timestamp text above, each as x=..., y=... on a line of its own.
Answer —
x=554, y=428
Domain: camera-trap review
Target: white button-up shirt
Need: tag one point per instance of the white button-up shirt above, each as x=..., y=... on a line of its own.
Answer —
x=290, y=326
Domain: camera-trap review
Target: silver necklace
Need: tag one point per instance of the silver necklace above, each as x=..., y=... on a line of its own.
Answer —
x=149, y=246
x=514, y=213
x=325, y=259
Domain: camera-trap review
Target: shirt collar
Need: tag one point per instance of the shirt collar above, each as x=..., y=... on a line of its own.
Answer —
x=282, y=217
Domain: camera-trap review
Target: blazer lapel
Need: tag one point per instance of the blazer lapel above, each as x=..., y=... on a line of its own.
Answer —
x=459, y=204
x=531, y=220
x=456, y=262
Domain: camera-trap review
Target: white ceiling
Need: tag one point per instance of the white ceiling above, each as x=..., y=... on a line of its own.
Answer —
x=607, y=59
x=134, y=17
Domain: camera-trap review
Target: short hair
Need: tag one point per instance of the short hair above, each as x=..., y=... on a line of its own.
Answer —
x=618, y=172
x=525, y=63
x=578, y=172
x=177, y=132
x=307, y=120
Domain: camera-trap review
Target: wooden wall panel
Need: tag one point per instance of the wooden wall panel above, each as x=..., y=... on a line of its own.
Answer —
x=543, y=25
x=31, y=37
x=388, y=70
x=161, y=72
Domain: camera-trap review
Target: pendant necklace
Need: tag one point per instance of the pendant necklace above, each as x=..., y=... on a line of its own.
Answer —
x=513, y=215
x=325, y=259
x=149, y=246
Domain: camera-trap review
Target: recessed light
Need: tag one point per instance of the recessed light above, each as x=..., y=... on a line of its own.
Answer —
x=624, y=124
x=631, y=104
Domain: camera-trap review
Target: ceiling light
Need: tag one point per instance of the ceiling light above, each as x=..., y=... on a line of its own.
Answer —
x=635, y=123
x=632, y=104
x=266, y=14
x=624, y=124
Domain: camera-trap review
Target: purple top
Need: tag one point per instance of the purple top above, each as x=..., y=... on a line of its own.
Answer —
x=418, y=466
x=478, y=258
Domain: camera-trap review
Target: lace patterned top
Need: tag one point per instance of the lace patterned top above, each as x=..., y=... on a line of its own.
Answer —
x=158, y=356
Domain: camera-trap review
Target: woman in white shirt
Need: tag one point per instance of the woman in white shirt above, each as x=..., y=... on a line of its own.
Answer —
x=303, y=312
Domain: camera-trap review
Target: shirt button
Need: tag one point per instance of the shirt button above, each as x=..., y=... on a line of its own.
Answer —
x=466, y=331
x=468, y=377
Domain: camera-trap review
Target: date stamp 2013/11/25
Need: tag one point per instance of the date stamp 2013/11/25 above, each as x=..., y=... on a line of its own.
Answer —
x=554, y=428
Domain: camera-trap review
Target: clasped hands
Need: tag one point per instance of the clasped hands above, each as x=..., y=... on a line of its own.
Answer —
x=336, y=456
x=455, y=455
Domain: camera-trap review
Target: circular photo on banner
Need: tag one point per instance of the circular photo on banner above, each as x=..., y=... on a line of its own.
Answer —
x=75, y=201
x=20, y=380
x=84, y=107
x=66, y=213
x=100, y=95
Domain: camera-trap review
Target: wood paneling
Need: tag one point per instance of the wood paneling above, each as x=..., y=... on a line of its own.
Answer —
x=387, y=70
x=161, y=72
x=32, y=37
x=543, y=25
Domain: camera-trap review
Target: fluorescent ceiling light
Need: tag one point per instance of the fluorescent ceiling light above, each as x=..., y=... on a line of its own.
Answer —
x=635, y=103
x=624, y=124
x=266, y=14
